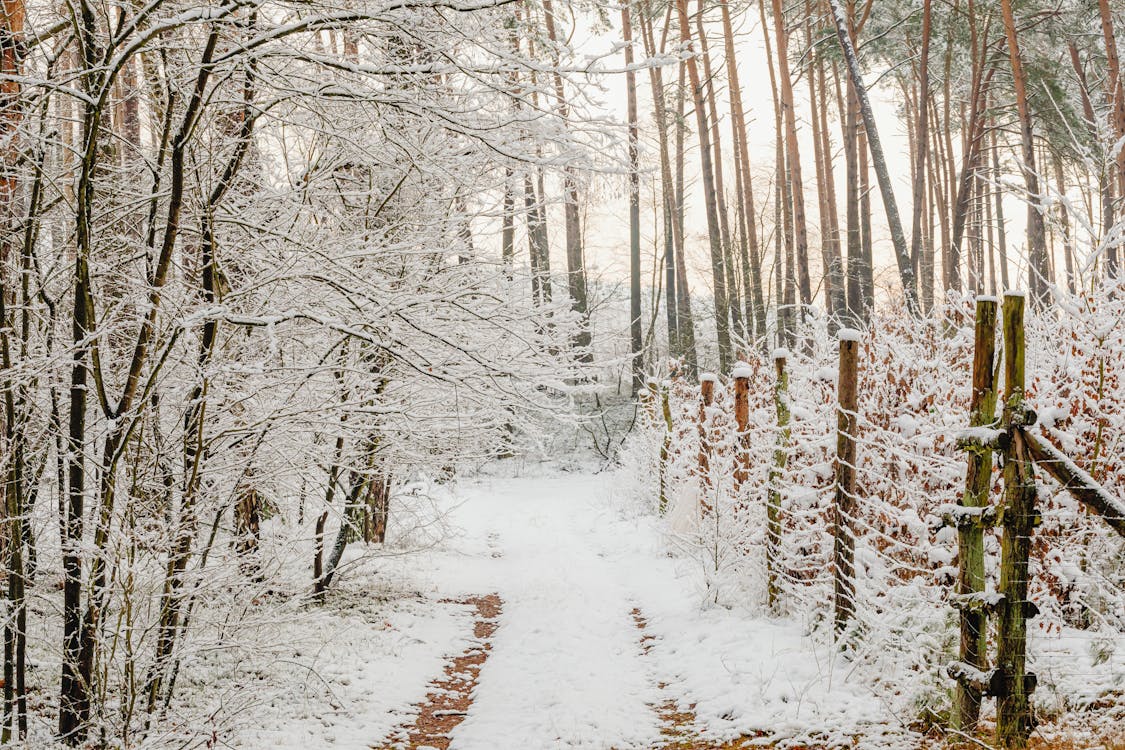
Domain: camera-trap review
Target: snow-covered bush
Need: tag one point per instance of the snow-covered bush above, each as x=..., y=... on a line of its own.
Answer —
x=913, y=401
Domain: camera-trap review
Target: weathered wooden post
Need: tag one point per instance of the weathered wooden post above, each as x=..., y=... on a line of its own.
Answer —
x=845, y=505
x=1013, y=708
x=666, y=444
x=741, y=376
x=780, y=461
x=971, y=518
x=706, y=399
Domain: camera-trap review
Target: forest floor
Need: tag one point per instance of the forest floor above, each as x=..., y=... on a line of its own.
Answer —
x=544, y=619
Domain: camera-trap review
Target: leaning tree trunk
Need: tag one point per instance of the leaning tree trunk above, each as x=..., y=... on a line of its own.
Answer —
x=886, y=189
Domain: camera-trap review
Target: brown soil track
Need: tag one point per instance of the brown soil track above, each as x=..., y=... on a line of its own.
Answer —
x=450, y=696
x=679, y=723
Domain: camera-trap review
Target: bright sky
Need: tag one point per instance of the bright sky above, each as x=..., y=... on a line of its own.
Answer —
x=606, y=202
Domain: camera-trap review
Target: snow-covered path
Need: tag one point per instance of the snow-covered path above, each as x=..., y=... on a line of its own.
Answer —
x=567, y=669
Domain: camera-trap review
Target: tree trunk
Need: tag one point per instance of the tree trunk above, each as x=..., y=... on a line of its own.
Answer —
x=718, y=270
x=793, y=156
x=667, y=189
x=635, y=333
x=1115, y=95
x=834, y=289
x=921, y=143
x=683, y=312
x=575, y=263
x=902, y=254
x=1064, y=223
x=1037, y=271
x=756, y=310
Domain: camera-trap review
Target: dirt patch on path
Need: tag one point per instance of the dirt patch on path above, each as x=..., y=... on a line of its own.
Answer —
x=679, y=723
x=450, y=696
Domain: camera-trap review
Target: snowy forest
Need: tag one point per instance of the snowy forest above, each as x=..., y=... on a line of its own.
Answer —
x=530, y=374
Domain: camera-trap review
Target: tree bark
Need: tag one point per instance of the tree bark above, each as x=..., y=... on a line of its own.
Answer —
x=902, y=254
x=575, y=263
x=1037, y=270
x=635, y=332
x=793, y=156
x=718, y=271
x=756, y=310
x=921, y=143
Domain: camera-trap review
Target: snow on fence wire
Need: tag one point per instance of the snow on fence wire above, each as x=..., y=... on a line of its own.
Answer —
x=853, y=513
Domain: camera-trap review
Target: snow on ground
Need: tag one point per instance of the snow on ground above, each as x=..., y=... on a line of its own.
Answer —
x=347, y=675
x=567, y=668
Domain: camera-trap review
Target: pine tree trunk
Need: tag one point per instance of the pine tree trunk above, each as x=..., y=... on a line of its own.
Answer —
x=1037, y=270
x=683, y=312
x=575, y=263
x=1115, y=95
x=718, y=271
x=921, y=152
x=902, y=254
x=756, y=307
x=834, y=290
x=667, y=189
x=635, y=332
x=1001, y=229
x=1064, y=223
x=793, y=157
x=725, y=234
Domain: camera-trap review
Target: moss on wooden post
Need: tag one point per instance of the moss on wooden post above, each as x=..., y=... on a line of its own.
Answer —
x=777, y=470
x=1013, y=710
x=978, y=481
x=844, y=507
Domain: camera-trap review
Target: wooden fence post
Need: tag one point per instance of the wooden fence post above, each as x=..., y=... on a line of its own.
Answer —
x=666, y=444
x=706, y=398
x=845, y=505
x=741, y=376
x=1013, y=709
x=971, y=519
x=780, y=461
